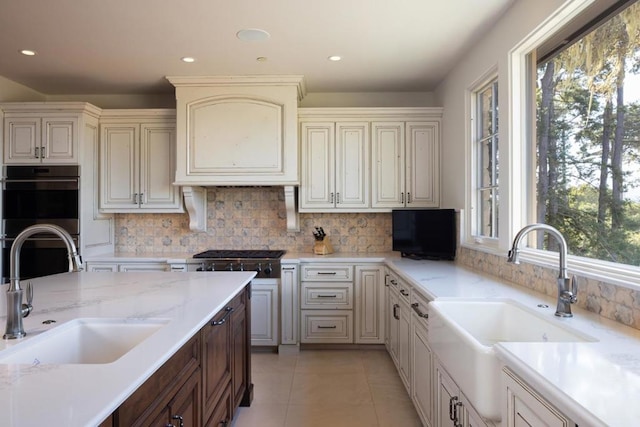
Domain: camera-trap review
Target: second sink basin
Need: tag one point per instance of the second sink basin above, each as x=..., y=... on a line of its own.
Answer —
x=83, y=341
x=462, y=334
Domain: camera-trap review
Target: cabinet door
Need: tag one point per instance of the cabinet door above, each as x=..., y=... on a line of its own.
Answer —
x=290, y=303
x=184, y=408
x=119, y=167
x=318, y=165
x=216, y=360
x=404, y=339
x=157, y=168
x=352, y=165
x=240, y=350
x=387, y=168
x=369, y=305
x=394, y=325
x=21, y=136
x=59, y=140
x=222, y=413
x=421, y=373
x=447, y=399
x=525, y=407
x=264, y=314
x=422, y=164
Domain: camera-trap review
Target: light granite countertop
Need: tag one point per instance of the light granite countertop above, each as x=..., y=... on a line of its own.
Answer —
x=84, y=395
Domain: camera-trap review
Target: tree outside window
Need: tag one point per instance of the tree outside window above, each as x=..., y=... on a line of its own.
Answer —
x=588, y=142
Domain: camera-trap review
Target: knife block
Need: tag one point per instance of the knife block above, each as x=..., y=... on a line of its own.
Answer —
x=322, y=247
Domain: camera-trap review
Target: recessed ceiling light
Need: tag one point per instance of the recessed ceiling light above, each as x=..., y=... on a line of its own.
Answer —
x=334, y=58
x=28, y=52
x=252, y=35
x=188, y=59
x=261, y=59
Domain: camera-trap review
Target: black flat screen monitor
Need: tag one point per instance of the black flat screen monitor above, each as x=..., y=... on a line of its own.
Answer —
x=425, y=233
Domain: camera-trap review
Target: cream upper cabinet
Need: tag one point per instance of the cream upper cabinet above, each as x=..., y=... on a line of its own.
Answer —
x=335, y=166
x=137, y=155
x=36, y=138
x=369, y=159
x=406, y=164
x=237, y=130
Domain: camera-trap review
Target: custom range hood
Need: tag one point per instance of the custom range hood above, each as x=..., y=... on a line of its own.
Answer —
x=237, y=131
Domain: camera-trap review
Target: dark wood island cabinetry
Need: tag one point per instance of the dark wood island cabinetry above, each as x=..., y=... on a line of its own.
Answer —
x=204, y=382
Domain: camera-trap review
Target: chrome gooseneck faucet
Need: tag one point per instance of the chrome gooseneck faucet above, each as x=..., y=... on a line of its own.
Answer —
x=15, y=309
x=567, y=289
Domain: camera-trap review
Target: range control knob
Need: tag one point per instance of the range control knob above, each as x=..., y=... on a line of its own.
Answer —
x=230, y=266
x=268, y=269
x=210, y=267
x=259, y=268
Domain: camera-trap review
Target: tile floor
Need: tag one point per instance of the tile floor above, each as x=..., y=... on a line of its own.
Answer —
x=321, y=388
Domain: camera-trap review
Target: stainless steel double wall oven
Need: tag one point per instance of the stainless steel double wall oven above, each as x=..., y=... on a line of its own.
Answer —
x=39, y=195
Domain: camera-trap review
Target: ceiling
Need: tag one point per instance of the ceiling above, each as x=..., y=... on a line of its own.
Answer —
x=129, y=46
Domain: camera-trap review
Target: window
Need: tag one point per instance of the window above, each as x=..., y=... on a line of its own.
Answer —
x=485, y=163
x=588, y=139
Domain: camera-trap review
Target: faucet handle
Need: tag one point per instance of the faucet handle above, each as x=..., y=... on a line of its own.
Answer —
x=29, y=289
x=26, y=308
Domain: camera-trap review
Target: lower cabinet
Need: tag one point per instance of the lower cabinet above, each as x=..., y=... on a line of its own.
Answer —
x=202, y=383
x=173, y=388
x=452, y=407
x=421, y=363
x=264, y=314
x=525, y=407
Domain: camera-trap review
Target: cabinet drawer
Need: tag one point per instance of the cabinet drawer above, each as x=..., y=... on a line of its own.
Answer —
x=327, y=273
x=327, y=295
x=419, y=307
x=326, y=326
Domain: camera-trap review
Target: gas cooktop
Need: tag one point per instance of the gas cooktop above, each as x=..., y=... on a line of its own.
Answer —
x=238, y=254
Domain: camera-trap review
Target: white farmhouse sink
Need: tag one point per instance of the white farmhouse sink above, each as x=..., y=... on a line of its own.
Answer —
x=83, y=341
x=462, y=334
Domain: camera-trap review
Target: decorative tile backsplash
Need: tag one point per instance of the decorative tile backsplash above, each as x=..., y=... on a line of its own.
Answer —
x=250, y=218
x=608, y=300
x=255, y=218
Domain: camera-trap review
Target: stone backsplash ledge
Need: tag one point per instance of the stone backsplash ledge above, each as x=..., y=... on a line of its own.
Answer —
x=250, y=218
x=254, y=218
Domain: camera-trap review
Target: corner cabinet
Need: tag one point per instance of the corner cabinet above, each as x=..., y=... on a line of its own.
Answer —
x=137, y=159
x=369, y=159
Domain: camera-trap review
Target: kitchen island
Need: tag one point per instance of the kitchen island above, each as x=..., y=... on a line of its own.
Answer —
x=86, y=394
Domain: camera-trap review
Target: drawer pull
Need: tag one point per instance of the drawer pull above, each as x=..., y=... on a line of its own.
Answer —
x=403, y=292
x=393, y=282
x=222, y=321
x=327, y=273
x=327, y=327
x=395, y=312
x=419, y=312
x=328, y=296
x=288, y=268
